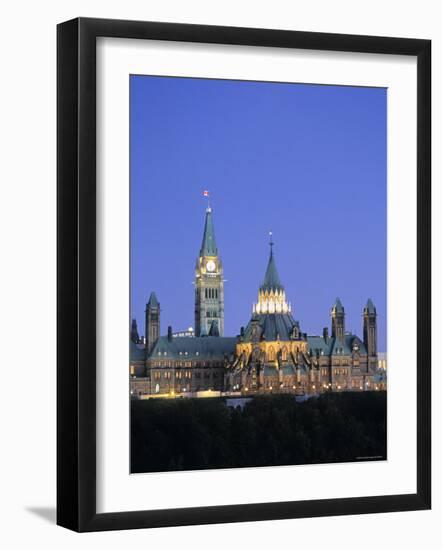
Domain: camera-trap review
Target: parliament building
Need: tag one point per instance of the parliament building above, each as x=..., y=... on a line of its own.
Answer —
x=271, y=354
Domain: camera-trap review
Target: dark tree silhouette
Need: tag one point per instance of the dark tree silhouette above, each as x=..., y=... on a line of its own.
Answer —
x=194, y=434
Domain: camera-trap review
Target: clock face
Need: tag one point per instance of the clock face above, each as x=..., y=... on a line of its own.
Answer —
x=210, y=266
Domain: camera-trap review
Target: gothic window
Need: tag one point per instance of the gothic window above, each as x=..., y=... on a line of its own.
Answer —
x=284, y=354
x=271, y=353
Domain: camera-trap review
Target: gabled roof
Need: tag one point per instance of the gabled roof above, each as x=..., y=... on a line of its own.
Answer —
x=208, y=246
x=271, y=278
x=336, y=347
x=317, y=344
x=182, y=347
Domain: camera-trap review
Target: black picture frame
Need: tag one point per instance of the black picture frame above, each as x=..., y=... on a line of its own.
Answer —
x=76, y=274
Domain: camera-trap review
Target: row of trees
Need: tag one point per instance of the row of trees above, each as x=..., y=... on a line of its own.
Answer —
x=190, y=434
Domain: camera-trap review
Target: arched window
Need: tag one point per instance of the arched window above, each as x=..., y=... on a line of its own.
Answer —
x=271, y=353
x=284, y=353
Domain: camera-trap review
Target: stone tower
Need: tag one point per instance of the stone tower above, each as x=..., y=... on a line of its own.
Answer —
x=152, y=322
x=338, y=320
x=370, y=329
x=209, y=284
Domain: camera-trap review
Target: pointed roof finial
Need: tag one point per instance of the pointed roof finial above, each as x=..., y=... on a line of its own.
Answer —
x=271, y=278
x=207, y=195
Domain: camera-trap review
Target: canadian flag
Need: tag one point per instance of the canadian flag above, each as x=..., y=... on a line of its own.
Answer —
x=205, y=193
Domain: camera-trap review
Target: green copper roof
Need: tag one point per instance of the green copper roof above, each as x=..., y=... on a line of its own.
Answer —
x=208, y=246
x=271, y=278
x=136, y=352
x=333, y=346
x=153, y=302
x=369, y=308
x=186, y=348
x=338, y=306
x=273, y=325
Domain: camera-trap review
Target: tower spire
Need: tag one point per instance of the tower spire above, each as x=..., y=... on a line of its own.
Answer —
x=209, y=283
x=208, y=245
x=271, y=278
x=271, y=295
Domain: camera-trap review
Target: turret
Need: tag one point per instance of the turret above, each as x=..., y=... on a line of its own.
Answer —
x=152, y=322
x=338, y=320
x=370, y=328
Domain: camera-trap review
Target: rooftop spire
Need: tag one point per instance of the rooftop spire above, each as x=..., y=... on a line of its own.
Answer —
x=208, y=246
x=338, y=307
x=369, y=308
x=271, y=278
x=153, y=301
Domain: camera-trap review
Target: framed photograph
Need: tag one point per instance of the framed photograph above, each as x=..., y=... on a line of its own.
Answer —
x=243, y=274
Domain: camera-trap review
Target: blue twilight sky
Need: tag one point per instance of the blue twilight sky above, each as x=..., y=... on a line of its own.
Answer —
x=307, y=162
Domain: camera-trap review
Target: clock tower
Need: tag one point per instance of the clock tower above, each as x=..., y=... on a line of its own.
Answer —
x=209, y=285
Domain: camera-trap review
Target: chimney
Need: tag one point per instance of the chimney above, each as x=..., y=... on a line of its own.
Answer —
x=169, y=333
x=325, y=334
